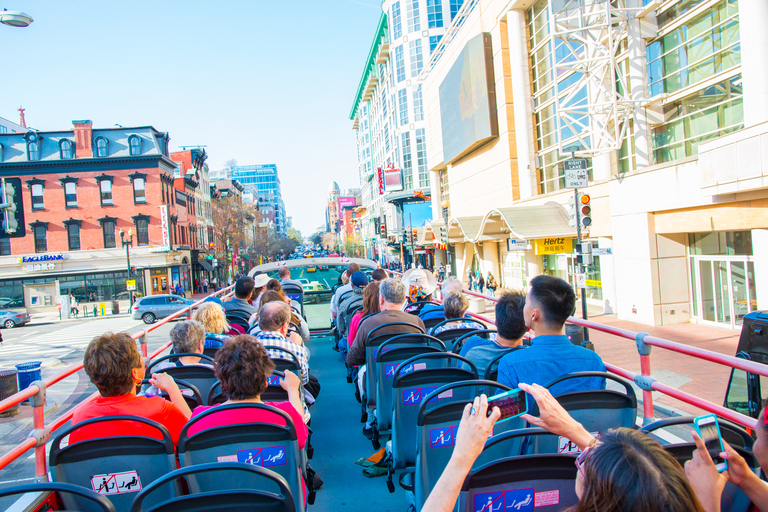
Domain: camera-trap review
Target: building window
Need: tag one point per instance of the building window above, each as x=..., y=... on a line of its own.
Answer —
x=139, y=181
x=421, y=156
x=66, y=149
x=70, y=192
x=37, y=196
x=435, y=13
x=105, y=188
x=399, y=64
x=397, y=22
x=1, y=151
x=418, y=105
x=108, y=227
x=417, y=58
x=402, y=100
x=134, y=143
x=142, y=229
x=407, y=161
x=455, y=6
x=5, y=245
x=40, y=229
x=414, y=25
x=433, y=42
x=73, y=234
x=33, y=151
x=102, y=147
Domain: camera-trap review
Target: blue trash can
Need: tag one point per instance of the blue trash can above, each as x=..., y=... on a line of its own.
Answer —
x=28, y=373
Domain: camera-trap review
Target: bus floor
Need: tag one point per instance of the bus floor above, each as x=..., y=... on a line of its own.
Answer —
x=337, y=437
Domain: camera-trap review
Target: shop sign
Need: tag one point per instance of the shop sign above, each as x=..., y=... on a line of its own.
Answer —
x=517, y=245
x=39, y=267
x=41, y=257
x=166, y=245
x=594, y=283
x=554, y=245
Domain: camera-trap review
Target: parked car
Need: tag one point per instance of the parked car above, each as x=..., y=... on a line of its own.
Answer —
x=150, y=309
x=126, y=295
x=7, y=302
x=10, y=319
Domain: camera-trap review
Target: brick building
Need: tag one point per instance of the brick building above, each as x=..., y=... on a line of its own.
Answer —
x=81, y=188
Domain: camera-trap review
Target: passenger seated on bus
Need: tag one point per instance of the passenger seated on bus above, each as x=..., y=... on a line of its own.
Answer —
x=285, y=277
x=299, y=336
x=115, y=367
x=455, y=307
x=187, y=336
x=626, y=471
x=243, y=368
x=510, y=326
x=244, y=288
x=709, y=484
x=391, y=301
x=370, y=306
x=434, y=311
x=341, y=290
x=274, y=285
x=211, y=315
x=419, y=285
x=549, y=303
x=359, y=281
x=274, y=318
x=379, y=274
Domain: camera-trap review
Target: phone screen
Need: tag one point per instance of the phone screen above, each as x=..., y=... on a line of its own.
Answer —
x=511, y=403
x=710, y=434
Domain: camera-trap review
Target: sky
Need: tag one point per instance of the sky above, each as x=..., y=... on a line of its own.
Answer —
x=252, y=80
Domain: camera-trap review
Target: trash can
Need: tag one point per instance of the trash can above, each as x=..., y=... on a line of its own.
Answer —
x=28, y=373
x=115, y=307
x=9, y=387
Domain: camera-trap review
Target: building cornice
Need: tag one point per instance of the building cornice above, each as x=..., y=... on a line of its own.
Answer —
x=87, y=165
x=370, y=64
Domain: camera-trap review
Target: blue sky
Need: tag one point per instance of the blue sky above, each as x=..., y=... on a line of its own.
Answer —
x=254, y=80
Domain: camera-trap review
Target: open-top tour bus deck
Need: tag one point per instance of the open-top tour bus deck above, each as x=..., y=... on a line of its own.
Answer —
x=419, y=438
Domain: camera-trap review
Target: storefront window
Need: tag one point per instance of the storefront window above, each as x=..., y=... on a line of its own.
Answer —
x=721, y=243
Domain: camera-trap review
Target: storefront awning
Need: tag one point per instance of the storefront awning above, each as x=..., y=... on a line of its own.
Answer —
x=206, y=266
x=520, y=222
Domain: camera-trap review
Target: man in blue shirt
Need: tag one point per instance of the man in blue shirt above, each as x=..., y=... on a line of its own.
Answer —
x=548, y=305
x=510, y=326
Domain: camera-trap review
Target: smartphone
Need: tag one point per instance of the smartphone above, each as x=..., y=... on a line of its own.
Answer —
x=709, y=431
x=511, y=403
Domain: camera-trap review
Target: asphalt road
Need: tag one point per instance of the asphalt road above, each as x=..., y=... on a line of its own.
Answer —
x=58, y=345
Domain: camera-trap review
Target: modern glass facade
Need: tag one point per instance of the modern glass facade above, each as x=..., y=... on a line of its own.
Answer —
x=262, y=180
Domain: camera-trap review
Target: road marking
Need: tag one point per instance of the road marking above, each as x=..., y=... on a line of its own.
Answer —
x=14, y=481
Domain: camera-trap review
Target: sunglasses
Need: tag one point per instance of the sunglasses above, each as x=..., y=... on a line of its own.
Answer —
x=580, y=460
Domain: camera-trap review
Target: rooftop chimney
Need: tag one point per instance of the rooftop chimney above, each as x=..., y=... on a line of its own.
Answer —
x=83, y=138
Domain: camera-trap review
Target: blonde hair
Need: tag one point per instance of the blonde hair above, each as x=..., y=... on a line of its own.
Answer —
x=212, y=316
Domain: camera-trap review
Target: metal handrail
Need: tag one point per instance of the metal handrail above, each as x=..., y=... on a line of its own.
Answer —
x=36, y=394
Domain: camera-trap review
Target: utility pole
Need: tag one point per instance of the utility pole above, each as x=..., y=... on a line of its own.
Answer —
x=410, y=232
x=576, y=176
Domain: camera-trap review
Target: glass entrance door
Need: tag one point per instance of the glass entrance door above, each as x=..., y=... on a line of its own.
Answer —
x=724, y=289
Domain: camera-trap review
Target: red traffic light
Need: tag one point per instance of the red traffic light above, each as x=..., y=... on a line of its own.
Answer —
x=584, y=199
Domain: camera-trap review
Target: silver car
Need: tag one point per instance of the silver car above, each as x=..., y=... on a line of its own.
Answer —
x=151, y=308
x=10, y=319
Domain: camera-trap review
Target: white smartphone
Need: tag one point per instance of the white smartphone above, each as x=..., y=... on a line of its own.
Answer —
x=709, y=431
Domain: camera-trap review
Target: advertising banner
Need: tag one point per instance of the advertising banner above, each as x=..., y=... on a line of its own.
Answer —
x=346, y=201
x=393, y=179
x=166, y=242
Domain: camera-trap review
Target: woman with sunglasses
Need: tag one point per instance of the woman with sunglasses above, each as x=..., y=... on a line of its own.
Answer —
x=625, y=471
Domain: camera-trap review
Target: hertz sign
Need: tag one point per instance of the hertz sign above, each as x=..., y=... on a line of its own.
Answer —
x=554, y=245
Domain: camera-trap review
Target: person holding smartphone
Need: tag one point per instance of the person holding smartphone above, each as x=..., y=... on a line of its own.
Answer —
x=626, y=471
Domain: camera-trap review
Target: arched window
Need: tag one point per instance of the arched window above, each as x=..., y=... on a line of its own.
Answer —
x=102, y=147
x=134, y=143
x=66, y=149
x=33, y=145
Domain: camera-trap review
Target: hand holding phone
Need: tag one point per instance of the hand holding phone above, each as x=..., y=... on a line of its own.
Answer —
x=511, y=403
x=708, y=429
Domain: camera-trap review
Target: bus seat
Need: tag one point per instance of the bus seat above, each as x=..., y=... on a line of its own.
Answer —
x=598, y=410
x=269, y=445
x=86, y=498
x=114, y=462
x=199, y=375
x=458, y=343
x=372, y=343
x=437, y=425
x=189, y=392
x=429, y=323
x=295, y=292
x=261, y=489
x=273, y=393
x=514, y=482
x=451, y=335
x=409, y=391
x=388, y=356
x=492, y=371
x=416, y=307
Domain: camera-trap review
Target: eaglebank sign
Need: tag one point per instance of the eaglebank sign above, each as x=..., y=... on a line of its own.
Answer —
x=42, y=257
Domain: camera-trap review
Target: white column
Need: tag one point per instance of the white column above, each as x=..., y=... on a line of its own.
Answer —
x=753, y=31
x=760, y=251
x=521, y=98
x=638, y=89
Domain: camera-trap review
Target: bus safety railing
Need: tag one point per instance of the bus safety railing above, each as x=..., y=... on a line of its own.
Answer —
x=644, y=380
x=41, y=433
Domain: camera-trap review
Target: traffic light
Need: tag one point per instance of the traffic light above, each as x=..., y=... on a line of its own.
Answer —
x=12, y=208
x=210, y=245
x=133, y=270
x=584, y=254
x=585, y=210
x=444, y=234
x=383, y=231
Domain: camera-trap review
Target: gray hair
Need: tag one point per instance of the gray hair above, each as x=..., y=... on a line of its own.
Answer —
x=273, y=315
x=187, y=335
x=455, y=305
x=452, y=286
x=392, y=290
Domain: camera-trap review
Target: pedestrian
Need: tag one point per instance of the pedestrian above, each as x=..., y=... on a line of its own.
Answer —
x=469, y=279
x=205, y=285
x=490, y=283
x=73, y=310
x=197, y=286
x=480, y=281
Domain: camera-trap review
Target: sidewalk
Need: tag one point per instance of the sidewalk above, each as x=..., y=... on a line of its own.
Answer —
x=700, y=378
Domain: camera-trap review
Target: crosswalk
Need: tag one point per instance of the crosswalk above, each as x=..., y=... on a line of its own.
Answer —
x=31, y=342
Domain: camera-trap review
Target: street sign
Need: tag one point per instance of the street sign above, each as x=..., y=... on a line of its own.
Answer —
x=597, y=251
x=130, y=285
x=518, y=245
x=581, y=280
x=575, y=173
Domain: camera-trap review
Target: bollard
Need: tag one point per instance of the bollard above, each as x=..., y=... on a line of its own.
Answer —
x=95, y=311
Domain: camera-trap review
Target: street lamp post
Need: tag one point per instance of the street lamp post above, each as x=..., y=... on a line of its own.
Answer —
x=127, y=244
x=15, y=18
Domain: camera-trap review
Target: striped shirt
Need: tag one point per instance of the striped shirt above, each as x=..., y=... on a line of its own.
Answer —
x=275, y=339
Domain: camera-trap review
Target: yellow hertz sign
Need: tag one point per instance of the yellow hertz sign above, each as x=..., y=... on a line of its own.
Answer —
x=555, y=245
